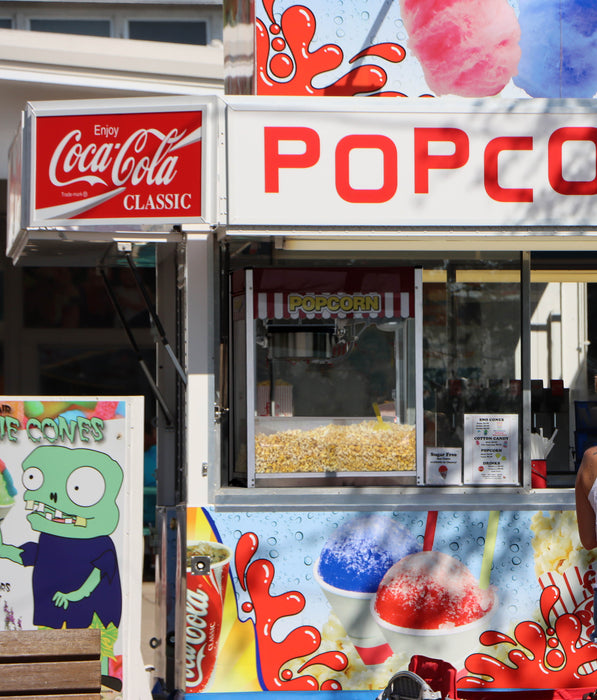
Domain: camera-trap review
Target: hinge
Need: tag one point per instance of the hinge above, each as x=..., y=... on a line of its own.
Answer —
x=219, y=413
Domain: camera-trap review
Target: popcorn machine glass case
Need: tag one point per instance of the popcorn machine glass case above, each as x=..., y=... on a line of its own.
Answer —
x=327, y=376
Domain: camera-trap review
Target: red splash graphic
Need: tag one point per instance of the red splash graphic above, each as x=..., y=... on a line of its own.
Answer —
x=556, y=657
x=256, y=578
x=576, y=596
x=286, y=66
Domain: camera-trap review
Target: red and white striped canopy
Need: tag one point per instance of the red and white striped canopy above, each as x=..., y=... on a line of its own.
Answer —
x=376, y=293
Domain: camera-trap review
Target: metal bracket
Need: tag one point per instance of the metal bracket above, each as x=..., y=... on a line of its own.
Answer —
x=219, y=413
x=155, y=318
x=200, y=566
x=154, y=387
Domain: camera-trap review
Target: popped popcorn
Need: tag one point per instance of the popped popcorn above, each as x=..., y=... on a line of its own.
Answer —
x=556, y=543
x=368, y=446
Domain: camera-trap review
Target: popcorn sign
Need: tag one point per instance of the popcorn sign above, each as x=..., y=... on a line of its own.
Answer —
x=140, y=166
x=328, y=304
x=358, y=163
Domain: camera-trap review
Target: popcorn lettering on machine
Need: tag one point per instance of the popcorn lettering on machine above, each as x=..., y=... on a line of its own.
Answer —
x=327, y=376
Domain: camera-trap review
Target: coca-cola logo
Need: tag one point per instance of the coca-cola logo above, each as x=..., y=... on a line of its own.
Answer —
x=133, y=161
x=119, y=166
x=196, y=637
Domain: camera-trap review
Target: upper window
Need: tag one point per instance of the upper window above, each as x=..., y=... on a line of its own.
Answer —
x=172, y=22
x=86, y=27
x=174, y=31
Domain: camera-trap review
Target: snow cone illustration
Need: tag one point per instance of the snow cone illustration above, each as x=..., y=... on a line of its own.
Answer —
x=430, y=603
x=465, y=47
x=349, y=569
x=7, y=491
x=559, y=44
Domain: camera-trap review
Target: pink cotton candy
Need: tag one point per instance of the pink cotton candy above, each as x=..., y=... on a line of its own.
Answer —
x=465, y=47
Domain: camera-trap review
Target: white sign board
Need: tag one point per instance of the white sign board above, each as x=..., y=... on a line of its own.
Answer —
x=443, y=466
x=396, y=163
x=490, y=448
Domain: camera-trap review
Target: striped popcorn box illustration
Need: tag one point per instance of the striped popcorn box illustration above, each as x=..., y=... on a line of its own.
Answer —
x=576, y=597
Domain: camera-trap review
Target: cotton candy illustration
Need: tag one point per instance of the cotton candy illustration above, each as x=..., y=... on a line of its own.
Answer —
x=465, y=47
x=559, y=48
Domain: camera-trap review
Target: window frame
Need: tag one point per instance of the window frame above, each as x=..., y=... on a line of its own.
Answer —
x=119, y=17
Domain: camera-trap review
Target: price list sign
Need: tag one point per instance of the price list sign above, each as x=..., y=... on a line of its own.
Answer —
x=490, y=449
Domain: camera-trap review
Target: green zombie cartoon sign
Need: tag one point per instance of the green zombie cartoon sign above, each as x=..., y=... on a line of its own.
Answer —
x=70, y=495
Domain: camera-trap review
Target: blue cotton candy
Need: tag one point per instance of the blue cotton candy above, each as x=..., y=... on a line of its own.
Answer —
x=559, y=48
x=362, y=550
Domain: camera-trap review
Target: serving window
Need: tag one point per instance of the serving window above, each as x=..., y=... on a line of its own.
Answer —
x=419, y=369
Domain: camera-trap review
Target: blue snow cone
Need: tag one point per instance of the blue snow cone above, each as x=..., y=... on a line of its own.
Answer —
x=360, y=552
x=559, y=48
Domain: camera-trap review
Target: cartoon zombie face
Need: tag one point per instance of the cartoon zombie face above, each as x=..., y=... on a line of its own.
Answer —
x=71, y=492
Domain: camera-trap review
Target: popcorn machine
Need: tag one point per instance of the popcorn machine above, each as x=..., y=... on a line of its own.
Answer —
x=327, y=375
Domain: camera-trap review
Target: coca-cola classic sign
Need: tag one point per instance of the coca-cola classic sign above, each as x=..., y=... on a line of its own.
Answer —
x=141, y=167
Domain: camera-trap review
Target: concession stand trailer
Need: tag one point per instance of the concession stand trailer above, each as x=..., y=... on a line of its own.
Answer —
x=381, y=381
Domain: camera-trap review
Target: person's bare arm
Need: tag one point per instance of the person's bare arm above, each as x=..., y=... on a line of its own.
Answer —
x=585, y=515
